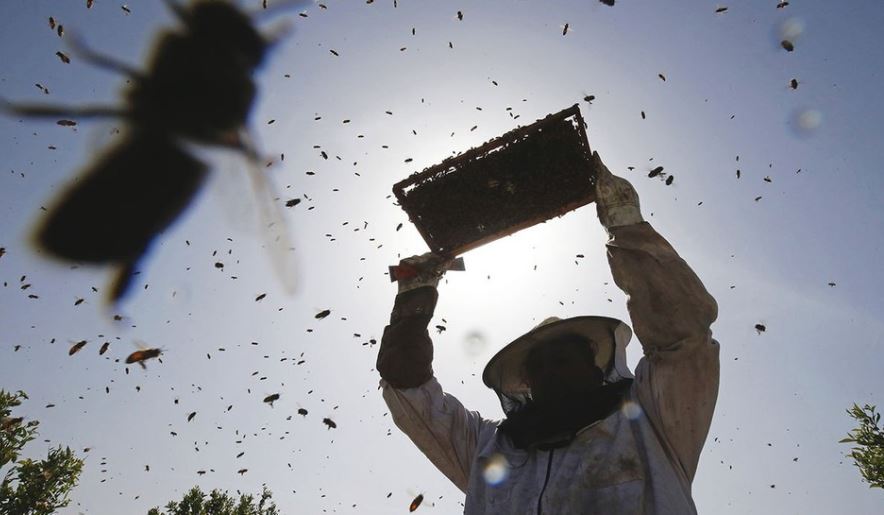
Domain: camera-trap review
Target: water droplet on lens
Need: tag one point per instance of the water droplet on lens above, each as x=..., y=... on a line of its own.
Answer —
x=805, y=121
x=496, y=470
x=474, y=343
x=632, y=410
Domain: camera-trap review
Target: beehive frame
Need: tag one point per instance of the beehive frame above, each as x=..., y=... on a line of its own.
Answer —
x=522, y=178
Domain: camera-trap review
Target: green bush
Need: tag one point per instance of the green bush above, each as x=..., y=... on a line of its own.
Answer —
x=868, y=453
x=32, y=487
x=195, y=502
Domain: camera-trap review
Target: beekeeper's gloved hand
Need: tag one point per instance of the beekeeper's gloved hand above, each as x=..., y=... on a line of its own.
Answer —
x=427, y=269
x=616, y=200
x=405, y=359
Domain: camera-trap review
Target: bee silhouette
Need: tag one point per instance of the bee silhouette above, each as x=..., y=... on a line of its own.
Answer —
x=197, y=88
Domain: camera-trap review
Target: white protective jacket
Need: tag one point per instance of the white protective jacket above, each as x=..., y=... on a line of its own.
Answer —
x=643, y=457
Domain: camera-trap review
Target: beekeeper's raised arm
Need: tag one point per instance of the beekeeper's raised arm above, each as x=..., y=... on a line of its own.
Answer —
x=437, y=423
x=671, y=312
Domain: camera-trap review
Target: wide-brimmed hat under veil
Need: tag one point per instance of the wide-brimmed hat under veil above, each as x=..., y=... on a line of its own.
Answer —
x=609, y=337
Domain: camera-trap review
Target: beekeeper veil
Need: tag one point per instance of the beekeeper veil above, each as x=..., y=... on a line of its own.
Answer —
x=608, y=338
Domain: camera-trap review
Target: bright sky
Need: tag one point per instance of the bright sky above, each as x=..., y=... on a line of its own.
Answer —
x=767, y=251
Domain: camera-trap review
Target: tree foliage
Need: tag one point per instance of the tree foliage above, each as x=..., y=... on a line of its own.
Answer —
x=868, y=451
x=32, y=487
x=195, y=502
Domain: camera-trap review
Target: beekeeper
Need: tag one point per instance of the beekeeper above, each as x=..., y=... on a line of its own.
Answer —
x=582, y=434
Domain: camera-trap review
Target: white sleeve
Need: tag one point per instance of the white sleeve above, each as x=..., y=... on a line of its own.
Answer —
x=439, y=425
x=671, y=312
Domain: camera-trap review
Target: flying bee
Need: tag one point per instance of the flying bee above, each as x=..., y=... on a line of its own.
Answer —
x=415, y=504
x=76, y=347
x=142, y=355
x=7, y=422
x=197, y=88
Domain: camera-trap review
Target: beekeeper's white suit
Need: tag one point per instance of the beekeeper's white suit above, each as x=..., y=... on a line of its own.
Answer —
x=639, y=459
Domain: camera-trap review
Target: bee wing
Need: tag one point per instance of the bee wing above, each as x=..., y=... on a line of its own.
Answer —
x=243, y=212
x=274, y=228
x=122, y=202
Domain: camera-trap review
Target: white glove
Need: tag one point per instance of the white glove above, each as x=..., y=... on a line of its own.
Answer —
x=616, y=200
x=429, y=266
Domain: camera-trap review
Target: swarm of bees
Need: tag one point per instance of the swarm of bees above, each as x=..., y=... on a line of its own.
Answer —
x=153, y=147
x=198, y=88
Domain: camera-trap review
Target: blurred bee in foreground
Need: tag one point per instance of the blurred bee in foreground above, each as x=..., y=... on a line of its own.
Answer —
x=197, y=88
